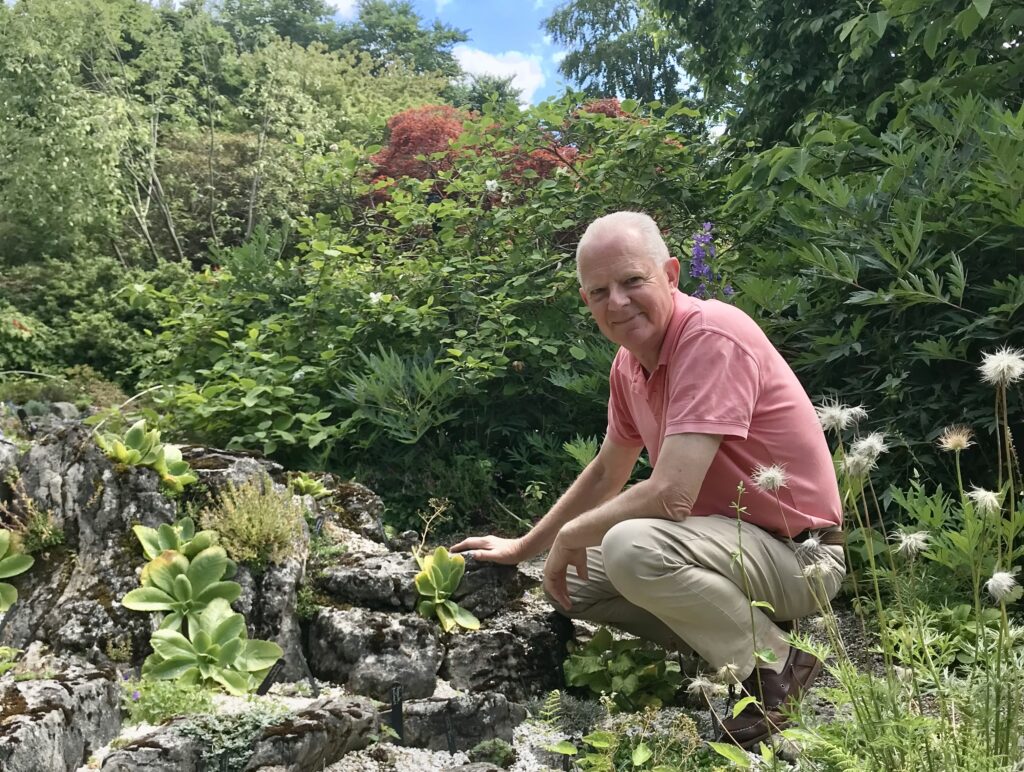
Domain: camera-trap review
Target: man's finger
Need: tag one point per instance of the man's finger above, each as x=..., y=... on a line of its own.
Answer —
x=581, y=567
x=473, y=542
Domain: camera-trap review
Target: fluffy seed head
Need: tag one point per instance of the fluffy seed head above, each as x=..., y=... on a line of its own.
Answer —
x=808, y=548
x=770, y=478
x=986, y=502
x=910, y=544
x=871, y=446
x=955, y=438
x=857, y=465
x=1004, y=367
x=1003, y=586
x=816, y=570
x=729, y=673
x=836, y=417
x=704, y=686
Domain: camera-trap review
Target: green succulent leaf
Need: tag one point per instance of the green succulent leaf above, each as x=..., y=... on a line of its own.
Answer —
x=15, y=564
x=149, y=540
x=169, y=644
x=147, y=599
x=8, y=596
x=207, y=567
x=228, y=591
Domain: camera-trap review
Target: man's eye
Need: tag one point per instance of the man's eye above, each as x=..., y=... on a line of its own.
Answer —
x=635, y=279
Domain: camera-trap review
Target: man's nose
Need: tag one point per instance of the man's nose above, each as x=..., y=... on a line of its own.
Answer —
x=617, y=297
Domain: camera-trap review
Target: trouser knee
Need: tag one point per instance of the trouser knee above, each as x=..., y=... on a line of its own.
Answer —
x=629, y=557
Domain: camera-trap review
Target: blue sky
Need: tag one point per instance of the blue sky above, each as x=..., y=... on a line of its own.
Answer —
x=505, y=38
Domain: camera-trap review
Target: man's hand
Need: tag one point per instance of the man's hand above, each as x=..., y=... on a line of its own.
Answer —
x=559, y=559
x=493, y=549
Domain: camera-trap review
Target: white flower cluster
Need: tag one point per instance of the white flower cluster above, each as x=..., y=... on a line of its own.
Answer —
x=1003, y=586
x=770, y=478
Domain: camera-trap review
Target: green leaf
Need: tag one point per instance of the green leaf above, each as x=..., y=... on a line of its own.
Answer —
x=577, y=352
x=462, y=617
x=207, y=567
x=741, y=704
x=564, y=747
x=878, y=22
x=229, y=591
x=601, y=739
x=147, y=599
x=763, y=604
x=8, y=596
x=5, y=541
x=235, y=682
x=172, y=667
x=260, y=655
x=446, y=618
x=933, y=36
x=169, y=644
x=641, y=754
x=149, y=540
x=982, y=7
x=15, y=564
x=731, y=753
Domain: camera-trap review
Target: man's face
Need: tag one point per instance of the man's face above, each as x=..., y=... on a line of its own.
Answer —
x=629, y=295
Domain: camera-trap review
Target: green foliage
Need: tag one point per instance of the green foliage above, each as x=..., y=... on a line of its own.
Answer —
x=496, y=752
x=183, y=588
x=8, y=658
x=475, y=92
x=12, y=562
x=641, y=741
x=634, y=674
x=300, y=354
x=438, y=579
x=618, y=49
x=142, y=447
x=304, y=485
x=256, y=524
x=216, y=651
x=196, y=597
x=894, y=246
x=153, y=702
x=947, y=636
x=227, y=740
x=40, y=531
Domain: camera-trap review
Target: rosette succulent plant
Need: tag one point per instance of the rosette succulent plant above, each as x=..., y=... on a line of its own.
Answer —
x=438, y=579
x=12, y=562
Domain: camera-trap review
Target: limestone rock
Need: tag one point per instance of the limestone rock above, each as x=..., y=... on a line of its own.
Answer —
x=268, y=602
x=488, y=587
x=461, y=722
x=55, y=724
x=360, y=509
x=70, y=597
x=316, y=736
x=161, y=751
x=383, y=582
x=516, y=654
x=369, y=651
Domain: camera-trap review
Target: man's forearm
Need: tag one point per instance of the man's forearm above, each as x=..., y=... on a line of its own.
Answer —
x=645, y=499
x=591, y=489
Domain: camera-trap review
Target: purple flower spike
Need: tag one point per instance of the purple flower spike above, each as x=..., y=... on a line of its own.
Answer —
x=136, y=695
x=728, y=290
x=708, y=226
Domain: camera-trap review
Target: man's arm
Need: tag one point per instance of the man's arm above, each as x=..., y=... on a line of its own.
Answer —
x=669, y=493
x=599, y=482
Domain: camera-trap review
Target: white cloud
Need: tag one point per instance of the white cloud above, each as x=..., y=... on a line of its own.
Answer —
x=346, y=9
x=538, y=4
x=548, y=40
x=558, y=56
x=526, y=70
x=440, y=5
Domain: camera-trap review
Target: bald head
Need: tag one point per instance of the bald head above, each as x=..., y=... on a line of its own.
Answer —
x=635, y=229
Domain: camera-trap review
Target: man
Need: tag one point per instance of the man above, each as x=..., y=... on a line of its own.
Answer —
x=740, y=467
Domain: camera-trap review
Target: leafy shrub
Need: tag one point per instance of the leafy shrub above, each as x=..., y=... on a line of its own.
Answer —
x=256, y=524
x=153, y=702
x=883, y=263
x=443, y=305
x=633, y=673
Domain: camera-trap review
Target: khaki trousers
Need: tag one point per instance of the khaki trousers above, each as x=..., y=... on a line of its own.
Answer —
x=682, y=586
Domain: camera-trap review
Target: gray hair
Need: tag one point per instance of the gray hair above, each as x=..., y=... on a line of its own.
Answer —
x=640, y=224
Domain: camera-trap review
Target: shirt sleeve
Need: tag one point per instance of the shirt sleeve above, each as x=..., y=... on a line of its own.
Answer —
x=714, y=384
x=621, y=427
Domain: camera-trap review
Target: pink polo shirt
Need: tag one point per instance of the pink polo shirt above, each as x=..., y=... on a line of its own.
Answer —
x=719, y=374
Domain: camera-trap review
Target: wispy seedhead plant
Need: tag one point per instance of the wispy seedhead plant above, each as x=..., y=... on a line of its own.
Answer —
x=949, y=697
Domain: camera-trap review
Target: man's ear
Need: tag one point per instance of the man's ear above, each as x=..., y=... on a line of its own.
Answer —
x=672, y=271
x=583, y=296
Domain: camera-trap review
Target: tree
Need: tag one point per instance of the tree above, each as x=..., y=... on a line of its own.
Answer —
x=392, y=31
x=476, y=91
x=618, y=48
x=774, y=62
x=301, y=21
